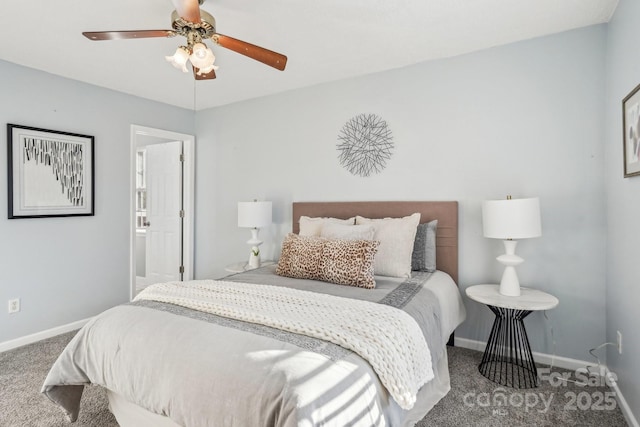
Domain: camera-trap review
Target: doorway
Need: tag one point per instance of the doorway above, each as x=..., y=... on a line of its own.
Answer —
x=162, y=201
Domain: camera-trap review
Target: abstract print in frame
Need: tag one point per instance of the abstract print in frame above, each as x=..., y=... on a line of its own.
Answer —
x=365, y=145
x=51, y=173
x=631, y=135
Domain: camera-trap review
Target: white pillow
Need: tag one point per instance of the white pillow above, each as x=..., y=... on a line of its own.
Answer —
x=313, y=226
x=332, y=230
x=396, y=236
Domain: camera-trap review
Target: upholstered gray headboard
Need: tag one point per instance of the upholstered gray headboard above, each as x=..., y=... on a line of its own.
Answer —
x=445, y=212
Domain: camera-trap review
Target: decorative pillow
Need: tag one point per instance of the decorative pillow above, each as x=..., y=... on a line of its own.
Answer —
x=344, y=262
x=313, y=226
x=332, y=230
x=396, y=236
x=300, y=257
x=424, y=247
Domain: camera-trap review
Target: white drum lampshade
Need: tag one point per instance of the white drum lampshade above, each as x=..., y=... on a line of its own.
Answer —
x=254, y=215
x=511, y=220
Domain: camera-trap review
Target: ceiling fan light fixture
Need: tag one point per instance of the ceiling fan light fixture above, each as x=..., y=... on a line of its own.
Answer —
x=196, y=26
x=207, y=70
x=202, y=57
x=179, y=59
x=199, y=50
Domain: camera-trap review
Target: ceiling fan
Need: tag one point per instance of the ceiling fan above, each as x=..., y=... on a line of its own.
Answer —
x=196, y=25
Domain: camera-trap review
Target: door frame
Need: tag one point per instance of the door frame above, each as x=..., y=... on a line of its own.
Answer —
x=188, y=192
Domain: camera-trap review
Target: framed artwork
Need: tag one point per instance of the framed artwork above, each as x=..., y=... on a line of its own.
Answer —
x=631, y=132
x=51, y=173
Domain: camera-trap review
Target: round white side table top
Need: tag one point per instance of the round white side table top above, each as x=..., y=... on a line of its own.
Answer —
x=529, y=299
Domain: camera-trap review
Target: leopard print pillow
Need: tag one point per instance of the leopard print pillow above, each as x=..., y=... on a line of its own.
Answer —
x=344, y=262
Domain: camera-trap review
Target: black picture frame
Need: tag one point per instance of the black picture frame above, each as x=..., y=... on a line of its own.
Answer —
x=51, y=173
x=631, y=133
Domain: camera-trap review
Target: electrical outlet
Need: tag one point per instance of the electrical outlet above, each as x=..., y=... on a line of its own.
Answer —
x=14, y=305
x=619, y=342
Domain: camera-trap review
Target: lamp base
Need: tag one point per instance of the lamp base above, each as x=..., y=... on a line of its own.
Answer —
x=254, y=241
x=510, y=285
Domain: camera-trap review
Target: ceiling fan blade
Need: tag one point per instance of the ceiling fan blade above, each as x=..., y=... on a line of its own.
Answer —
x=266, y=56
x=121, y=35
x=208, y=76
x=189, y=10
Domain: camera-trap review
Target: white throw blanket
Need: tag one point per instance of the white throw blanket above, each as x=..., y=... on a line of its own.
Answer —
x=388, y=338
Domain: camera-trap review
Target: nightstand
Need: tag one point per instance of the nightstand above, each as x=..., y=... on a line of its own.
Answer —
x=507, y=359
x=240, y=267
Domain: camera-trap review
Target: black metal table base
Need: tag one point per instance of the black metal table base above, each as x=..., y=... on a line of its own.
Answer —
x=507, y=360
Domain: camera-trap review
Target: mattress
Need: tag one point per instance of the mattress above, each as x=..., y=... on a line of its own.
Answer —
x=166, y=365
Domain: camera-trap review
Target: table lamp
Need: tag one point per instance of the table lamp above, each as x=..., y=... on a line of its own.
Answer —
x=511, y=220
x=254, y=215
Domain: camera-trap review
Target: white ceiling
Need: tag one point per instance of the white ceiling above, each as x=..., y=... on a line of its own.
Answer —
x=324, y=40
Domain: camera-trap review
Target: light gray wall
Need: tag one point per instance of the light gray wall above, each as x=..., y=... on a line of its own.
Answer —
x=67, y=269
x=623, y=206
x=523, y=119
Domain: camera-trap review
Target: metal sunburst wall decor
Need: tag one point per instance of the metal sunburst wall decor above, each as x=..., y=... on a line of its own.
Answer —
x=365, y=144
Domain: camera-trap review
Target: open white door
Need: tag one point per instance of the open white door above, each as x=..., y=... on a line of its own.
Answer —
x=164, y=206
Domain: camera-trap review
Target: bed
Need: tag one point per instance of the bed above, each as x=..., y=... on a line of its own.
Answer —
x=166, y=364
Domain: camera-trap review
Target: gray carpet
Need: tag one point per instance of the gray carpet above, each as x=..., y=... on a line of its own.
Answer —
x=470, y=402
x=467, y=402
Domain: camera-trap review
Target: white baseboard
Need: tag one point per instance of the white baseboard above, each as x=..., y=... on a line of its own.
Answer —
x=624, y=406
x=29, y=339
x=565, y=363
